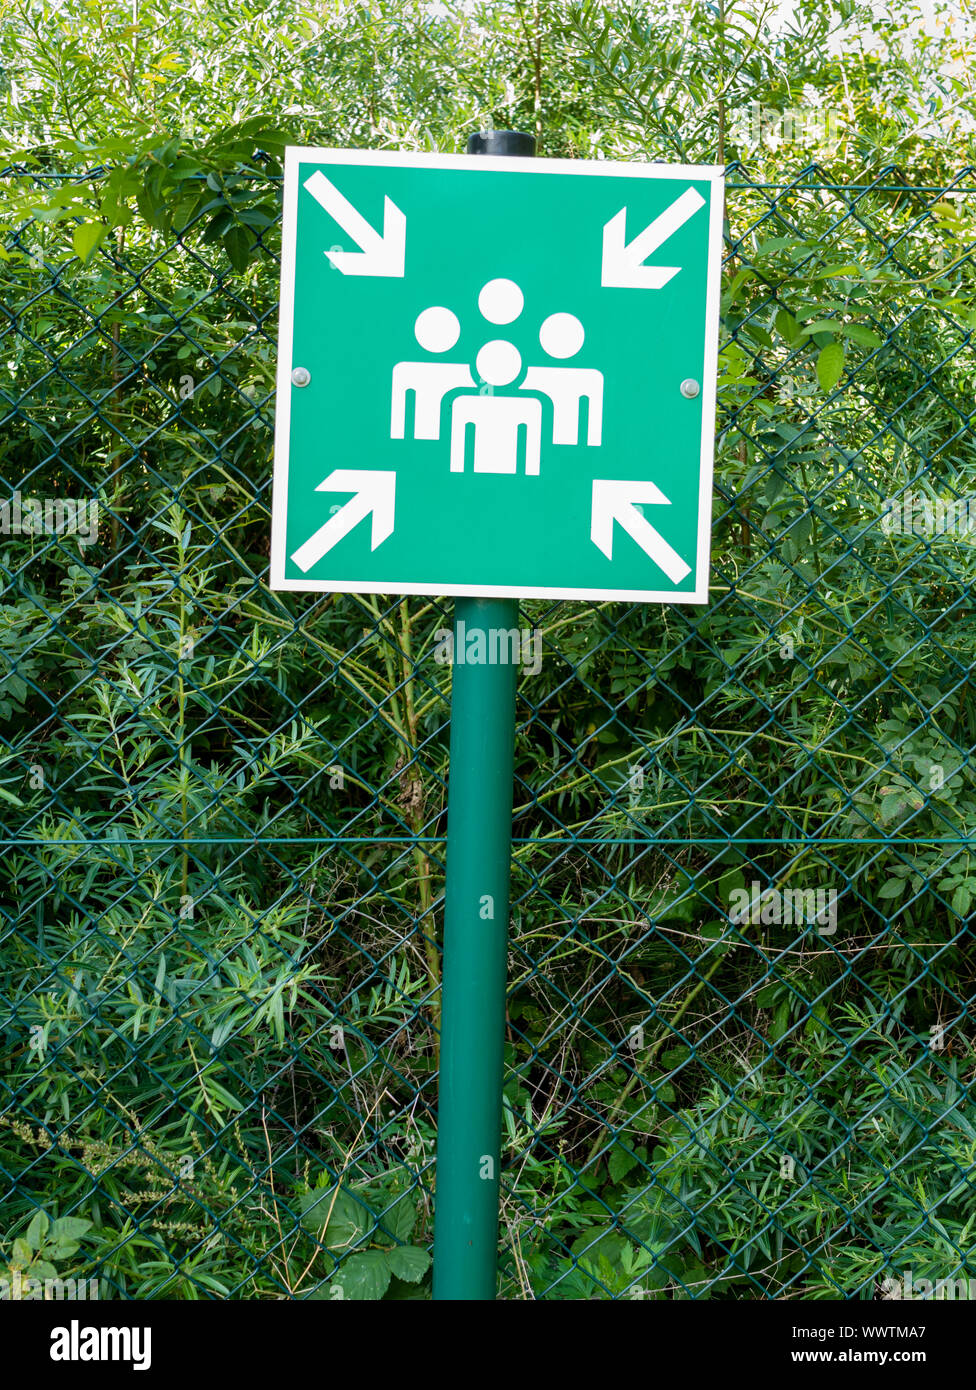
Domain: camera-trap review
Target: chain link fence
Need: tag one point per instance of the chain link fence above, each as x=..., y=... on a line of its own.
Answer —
x=742, y=974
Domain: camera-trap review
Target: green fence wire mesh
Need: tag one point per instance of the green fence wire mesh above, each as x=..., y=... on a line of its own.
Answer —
x=742, y=973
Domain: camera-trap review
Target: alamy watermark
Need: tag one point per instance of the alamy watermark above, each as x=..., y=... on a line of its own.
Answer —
x=810, y=124
x=495, y=646
x=912, y=514
x=50, y=516
x=758, y=906
x=910, y=1287
x=18, y=1287
x=79, y=1343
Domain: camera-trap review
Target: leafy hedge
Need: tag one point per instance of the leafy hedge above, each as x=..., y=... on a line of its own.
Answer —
x=220, y=1022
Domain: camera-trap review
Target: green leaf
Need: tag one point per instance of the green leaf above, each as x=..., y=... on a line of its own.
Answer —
x=821, y=326
x=237, y=244
x=621, y=1162
x=69, y=1228
x=349, y=1222
x=830, y=271
x=731, y=880
x=773, y=485
x=674, y=903
x=400, y=1291
x=366, y=1275
x=818, y=1022
x=893, y=806
x=830, y=365
x=781, y=1021
x=757, y=333
x=893, y=888
x=859, y=334
x=716, y=931
x=961, y=900
x=691, y=1279
x=22, y=1253
x=408, y=1262
x=37, y=1230
x=777, y=243
x=741, y=278
x=86, y=238
x=400, y=1219
x=62, y=1250
x=787, y=326
x=596, y=1242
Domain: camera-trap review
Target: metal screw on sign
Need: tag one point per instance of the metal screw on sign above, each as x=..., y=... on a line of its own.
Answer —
x=690, y=388
x=301, y=376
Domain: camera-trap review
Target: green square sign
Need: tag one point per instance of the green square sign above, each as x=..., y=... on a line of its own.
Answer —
x=496, y=376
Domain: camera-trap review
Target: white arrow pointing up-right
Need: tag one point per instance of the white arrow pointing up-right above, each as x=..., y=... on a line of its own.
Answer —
x=614, y=500
x=375, y=492
x=623, y=265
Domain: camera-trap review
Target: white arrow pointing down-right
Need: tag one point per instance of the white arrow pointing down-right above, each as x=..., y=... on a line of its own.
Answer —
x=382, y=254
x=613, y=500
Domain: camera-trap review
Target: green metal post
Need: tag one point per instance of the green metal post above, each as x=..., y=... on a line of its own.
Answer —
x=479, y=847
x=479, y=850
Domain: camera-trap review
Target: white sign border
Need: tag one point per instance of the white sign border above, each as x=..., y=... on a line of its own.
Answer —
x=295, y=157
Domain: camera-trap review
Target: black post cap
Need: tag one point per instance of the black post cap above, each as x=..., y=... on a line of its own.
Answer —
x=508, y=142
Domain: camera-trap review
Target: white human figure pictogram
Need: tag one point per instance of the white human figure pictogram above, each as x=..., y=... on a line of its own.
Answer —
x=561, y=336
x=436, y=330
x=498, y=420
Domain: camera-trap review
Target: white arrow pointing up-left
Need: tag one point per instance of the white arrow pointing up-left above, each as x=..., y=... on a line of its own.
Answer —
x=623, y=265
x=378, y=254
x=375, y=492
x=613, y=500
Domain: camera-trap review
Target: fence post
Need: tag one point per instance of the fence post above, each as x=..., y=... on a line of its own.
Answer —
x=479, y=850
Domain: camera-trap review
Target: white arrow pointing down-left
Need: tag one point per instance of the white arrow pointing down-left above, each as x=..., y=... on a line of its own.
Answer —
x=375, y=492
x=613, y=500
x=623, y=264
